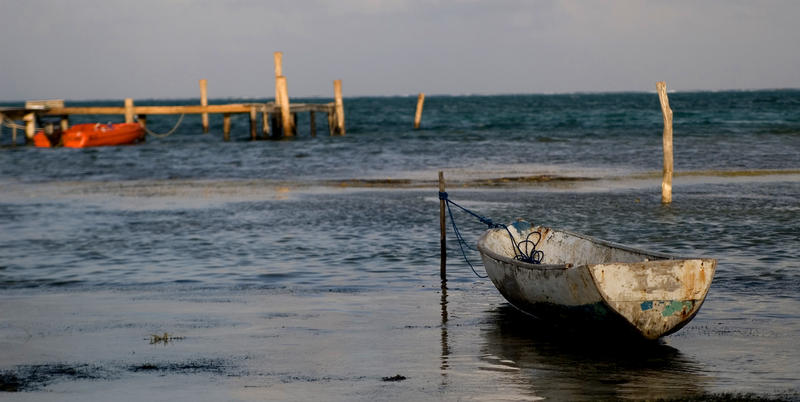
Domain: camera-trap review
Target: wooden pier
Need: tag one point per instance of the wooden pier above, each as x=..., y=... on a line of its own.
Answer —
x=278, y=118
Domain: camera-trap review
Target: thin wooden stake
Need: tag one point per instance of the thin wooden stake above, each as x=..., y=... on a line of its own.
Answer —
x=312, y=117
x=337, y=96
x=418, y=114
x=204, y=102
x=443, y=229
x=666, y=183
x=128, y=110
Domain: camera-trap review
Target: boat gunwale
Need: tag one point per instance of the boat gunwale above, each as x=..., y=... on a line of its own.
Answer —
x=659, y=255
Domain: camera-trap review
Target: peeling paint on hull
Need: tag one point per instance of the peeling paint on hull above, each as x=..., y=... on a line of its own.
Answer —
x=598, y=283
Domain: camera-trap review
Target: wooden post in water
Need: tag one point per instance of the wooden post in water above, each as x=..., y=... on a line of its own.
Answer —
x=443, y=229
x=30, y=126
x=226, y=126
x=278, y=57
x=128, y=110
x=666, y=183
x=13, y=134
x=331, y=118
x=313, y=124
x=337, y=100
x=142, y=119
x=418, y=114
x=286, y=115
x=253, y=122
x=204, y=102
x=264, y=124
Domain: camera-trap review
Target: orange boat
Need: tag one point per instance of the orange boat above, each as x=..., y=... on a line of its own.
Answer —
x=43, y=140
x=98, y=135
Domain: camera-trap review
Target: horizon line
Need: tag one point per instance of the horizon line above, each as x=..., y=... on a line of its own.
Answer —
x=498, y=94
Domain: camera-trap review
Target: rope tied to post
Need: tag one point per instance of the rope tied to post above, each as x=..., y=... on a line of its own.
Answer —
x=524, y=250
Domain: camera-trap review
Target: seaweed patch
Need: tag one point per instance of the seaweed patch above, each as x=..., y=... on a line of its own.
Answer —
x=34, y=377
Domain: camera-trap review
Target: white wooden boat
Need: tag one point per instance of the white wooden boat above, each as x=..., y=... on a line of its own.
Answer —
x=594, y=283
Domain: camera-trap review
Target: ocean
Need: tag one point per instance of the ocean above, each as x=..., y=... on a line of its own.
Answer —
x=308, y=268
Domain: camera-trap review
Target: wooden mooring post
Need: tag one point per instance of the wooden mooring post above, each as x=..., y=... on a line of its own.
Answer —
x=278, y=58
x=339, y=106
x=265, y=124
x=253, y=122
x=666, y=182
x=226, y=126
x=30, y=126
x=287, y=125
x=204, y=102
x=443, y=231
x=418, y=114
x=128, y=110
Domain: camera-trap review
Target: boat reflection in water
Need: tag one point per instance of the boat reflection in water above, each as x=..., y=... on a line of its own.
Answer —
x=540, y=360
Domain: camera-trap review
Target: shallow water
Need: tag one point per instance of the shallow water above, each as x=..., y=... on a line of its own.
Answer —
x=308, y=268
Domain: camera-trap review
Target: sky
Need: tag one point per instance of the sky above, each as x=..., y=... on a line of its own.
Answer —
x=159, y=49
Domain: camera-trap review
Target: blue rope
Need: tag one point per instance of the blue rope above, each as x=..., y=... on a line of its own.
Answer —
x=529, y=255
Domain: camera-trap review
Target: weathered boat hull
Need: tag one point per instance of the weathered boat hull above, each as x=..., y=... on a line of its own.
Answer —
x=584, y=281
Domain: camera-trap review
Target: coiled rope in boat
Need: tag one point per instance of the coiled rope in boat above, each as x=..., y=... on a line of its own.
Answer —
x=524, y=250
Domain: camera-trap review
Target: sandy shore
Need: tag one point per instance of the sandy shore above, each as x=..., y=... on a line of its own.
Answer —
x=413, y=344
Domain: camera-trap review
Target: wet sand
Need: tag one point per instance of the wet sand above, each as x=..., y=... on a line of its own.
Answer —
x=412, y=344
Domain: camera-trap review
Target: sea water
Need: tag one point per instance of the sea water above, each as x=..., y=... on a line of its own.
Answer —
x=309, y=268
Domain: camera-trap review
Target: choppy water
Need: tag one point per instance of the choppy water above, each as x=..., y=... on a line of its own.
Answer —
x=351, y=223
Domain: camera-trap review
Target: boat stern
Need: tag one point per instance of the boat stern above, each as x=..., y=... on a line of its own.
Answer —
x=657, y=297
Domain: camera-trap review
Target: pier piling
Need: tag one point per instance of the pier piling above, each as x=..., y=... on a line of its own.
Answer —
x=278, y=57
x=128, y=110
x=204, y=102
x=666, y=182
x=264, y=124
x=339, y=105
x=253, y=122
x=226, y=126
x=30, y=126
x=283, y=101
